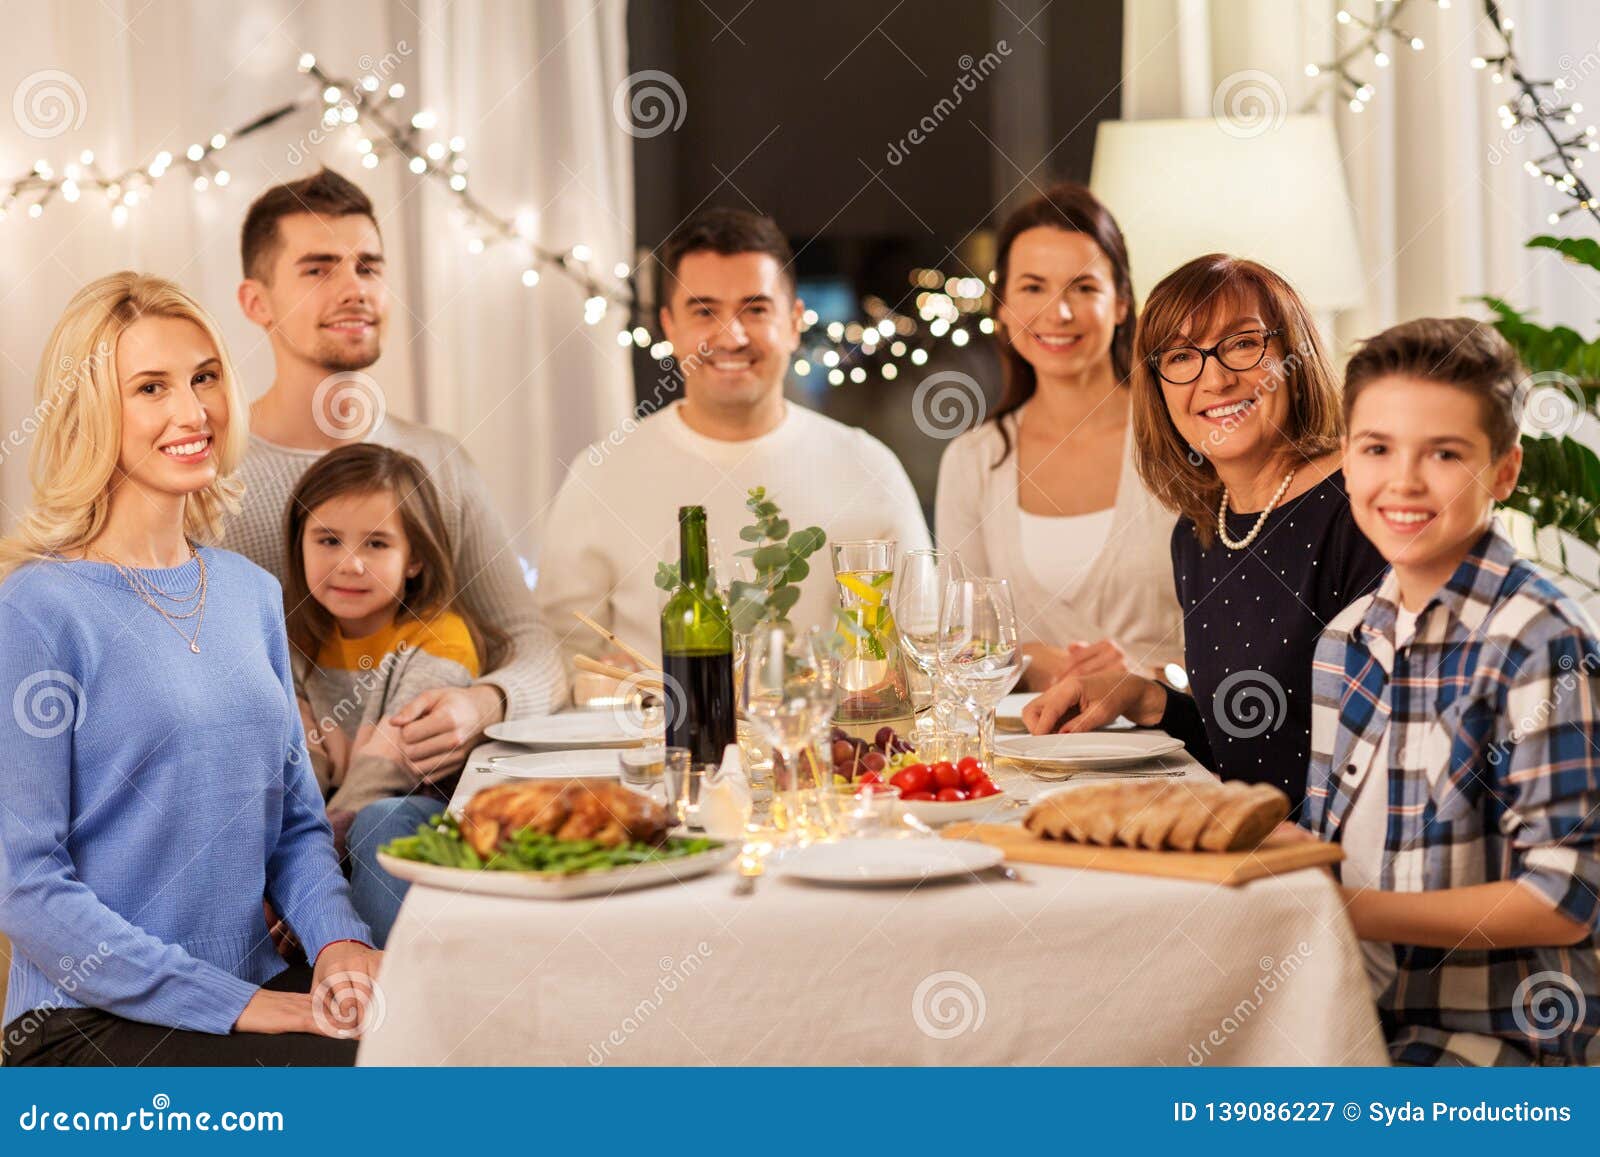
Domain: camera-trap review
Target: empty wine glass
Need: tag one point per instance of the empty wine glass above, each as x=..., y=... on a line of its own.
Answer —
x=920, y=582
x=977, y=650
x=789, y=697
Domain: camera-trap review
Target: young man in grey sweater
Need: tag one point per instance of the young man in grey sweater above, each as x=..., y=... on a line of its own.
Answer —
x=314, y=280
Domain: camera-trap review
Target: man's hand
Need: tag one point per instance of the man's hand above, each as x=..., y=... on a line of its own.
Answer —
x=344, y=986
x=440, y=727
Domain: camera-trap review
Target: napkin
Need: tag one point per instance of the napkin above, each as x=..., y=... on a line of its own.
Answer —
x=725, y=799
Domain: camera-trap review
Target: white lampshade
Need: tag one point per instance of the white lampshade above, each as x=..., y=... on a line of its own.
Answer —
x=1183, y=188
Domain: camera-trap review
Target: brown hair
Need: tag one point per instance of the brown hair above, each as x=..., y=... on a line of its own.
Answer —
x=1458, y=351
x=367, y=468
x=1195, y=295
x=1071, y=208
x=325, y=193
x=724, y=231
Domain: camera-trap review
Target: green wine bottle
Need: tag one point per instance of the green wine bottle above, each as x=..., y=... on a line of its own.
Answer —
x=697, y=650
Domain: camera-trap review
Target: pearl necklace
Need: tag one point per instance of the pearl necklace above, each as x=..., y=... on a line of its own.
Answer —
x=1222, y=516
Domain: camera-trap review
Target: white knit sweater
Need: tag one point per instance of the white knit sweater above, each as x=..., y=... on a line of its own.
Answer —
x=616, y=515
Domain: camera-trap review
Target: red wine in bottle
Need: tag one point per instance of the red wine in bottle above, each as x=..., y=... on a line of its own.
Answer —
x=697, y=650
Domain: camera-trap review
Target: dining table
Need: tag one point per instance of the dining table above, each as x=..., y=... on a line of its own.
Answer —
x=1057, y=966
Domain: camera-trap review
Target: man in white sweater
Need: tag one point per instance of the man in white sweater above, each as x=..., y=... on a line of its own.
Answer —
x=314, y=281
x=729, y=308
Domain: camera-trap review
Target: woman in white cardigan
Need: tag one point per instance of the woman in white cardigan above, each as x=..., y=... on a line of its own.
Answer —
x=1045, y=492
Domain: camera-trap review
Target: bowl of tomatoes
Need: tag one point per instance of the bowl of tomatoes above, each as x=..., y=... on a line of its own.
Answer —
x=943, y=792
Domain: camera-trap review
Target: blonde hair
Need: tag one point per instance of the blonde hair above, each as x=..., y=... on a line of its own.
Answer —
x=77, y=418
x=1196, y=295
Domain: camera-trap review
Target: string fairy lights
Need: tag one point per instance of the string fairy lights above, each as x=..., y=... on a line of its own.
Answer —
x=1544, y=107
x=1379, y=41
x=1541, y=108
x=368, y=109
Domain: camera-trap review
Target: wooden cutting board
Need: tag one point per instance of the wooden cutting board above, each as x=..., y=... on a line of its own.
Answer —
x=1212, y=867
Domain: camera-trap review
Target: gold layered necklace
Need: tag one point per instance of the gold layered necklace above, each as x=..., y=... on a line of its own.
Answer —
x=153, y=596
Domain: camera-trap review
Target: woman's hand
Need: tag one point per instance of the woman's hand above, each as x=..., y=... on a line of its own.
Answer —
x=278, y=1012
x=283, y=937
x=1103, y=658
x=1084, y=703
x=344, y=988
x=1052, y=664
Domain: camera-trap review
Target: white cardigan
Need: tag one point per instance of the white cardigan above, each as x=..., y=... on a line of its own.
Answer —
x=1126, y=595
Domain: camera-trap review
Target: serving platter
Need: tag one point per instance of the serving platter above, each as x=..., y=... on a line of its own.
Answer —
x=553, y=886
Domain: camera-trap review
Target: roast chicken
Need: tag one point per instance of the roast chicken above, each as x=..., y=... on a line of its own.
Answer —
x=573, y=809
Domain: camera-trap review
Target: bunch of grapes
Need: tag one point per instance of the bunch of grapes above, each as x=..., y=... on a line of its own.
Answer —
x=853, y=757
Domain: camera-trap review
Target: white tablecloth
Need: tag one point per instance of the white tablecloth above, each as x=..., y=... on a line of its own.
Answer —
x=1076, y=967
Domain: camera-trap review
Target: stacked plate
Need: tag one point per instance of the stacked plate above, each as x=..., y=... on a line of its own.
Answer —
x=1124, y=752
x=575, y=729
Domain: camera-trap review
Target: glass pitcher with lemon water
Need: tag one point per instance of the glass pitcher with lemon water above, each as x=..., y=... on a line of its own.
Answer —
x=874, y=690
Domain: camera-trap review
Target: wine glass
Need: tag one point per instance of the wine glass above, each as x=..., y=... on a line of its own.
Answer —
x=977, y=650
x=789, y=697
x=919, y=587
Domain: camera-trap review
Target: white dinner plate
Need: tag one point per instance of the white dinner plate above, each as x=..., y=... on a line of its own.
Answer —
x=605, y=729
x=580, y=764
x=550, y=886
x=1089, y=749
x=887, y=861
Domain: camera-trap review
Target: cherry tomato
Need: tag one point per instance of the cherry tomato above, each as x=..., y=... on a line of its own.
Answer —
x=950, y=795
x=870, y=787
x=917, y=795
x=983, y=789
x=945, y=774
x=869, y=777
x=971, y=771
x=911, y=779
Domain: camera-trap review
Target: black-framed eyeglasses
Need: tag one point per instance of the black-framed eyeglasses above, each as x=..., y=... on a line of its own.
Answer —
x=1240, y=351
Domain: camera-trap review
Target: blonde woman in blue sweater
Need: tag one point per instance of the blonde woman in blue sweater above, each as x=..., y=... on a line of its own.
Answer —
x=154, y=785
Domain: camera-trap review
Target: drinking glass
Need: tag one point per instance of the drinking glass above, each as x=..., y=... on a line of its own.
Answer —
x=646, y=767
x=684, y=780
x=977, y=650
x=920, y=582
x=789, y=697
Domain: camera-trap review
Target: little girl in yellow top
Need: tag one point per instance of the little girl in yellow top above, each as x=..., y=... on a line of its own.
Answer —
x=370, y=607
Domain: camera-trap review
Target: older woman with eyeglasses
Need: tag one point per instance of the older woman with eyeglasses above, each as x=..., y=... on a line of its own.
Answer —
x=1236, y=425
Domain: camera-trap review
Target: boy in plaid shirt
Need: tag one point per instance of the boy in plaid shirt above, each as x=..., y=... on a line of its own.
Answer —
x=1455, y=734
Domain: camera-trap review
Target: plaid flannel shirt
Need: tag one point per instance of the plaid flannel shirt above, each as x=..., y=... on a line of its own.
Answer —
x=1488, y=719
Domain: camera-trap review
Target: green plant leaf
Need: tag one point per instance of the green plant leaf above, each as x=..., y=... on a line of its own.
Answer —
x=667, y=575
x=797, y=570
x=1583, y=250
x=783, y=599
x=807, y=541
x=770, y=558
x=778, y=528
x=750, y=533
x=746, y=616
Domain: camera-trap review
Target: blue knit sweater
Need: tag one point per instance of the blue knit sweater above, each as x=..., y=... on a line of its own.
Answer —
x=151, y=797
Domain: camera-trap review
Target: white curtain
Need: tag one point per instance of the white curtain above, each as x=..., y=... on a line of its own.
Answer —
x=1443, y=206
x=512, y=371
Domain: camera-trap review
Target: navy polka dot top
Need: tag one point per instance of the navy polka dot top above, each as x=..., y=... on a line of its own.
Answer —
x=1251, y=619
